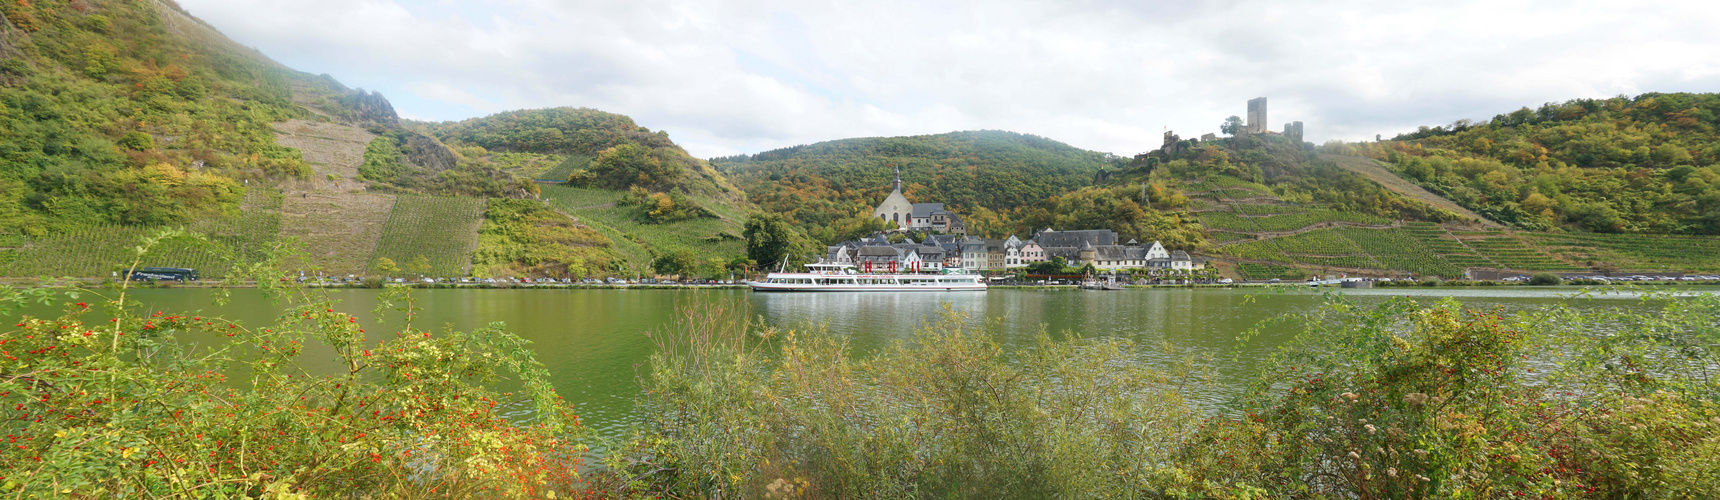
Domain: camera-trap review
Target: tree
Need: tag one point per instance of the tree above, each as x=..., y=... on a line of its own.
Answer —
x=633, y=165
x=682, y=262
x=1045, y=267
x=421, y=265
x=1545, y=279
x=1231, y=126
x=770, y=238
x=386, y=265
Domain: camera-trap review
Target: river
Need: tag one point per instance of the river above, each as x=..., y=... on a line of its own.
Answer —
x=593, y=341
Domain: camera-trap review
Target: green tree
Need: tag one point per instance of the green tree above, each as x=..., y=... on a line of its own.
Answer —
x=1231, y=126
x=1053, y=266
x=631, y=164
x=771, y=238
x=421, y=265
x=386, y=265
x=681, y=262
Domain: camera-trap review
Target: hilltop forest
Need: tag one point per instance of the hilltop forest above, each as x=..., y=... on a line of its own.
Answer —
x=830, y=188
x=1644, y=164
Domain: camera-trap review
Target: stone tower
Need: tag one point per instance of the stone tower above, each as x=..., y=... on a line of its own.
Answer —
x=1293, y=131
x=1257, y=116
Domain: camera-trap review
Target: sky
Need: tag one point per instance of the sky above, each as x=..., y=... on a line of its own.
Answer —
x=731, y=77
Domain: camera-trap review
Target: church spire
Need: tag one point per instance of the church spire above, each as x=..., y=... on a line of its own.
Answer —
x=898, y=185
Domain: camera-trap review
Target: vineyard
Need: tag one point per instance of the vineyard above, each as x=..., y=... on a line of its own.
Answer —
x=430, y=235
x=1510, y=253
x=561, y=171
x=1254, y=271
x=100, y=251
x=1398, y=249
x=1284, y=220
x=1634, y=252
x=637, y=240
x=1422, y=249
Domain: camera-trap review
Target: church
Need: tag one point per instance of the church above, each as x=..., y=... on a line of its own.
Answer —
x=916, y=216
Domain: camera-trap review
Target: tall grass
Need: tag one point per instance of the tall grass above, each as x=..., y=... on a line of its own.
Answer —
x=738, y=409
x=1399, y=400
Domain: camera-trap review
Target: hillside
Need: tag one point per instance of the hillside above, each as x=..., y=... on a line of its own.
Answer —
x=830, y=188
x=604, y=150
x=119, y=118
x=133, y=113
x=1644, y=164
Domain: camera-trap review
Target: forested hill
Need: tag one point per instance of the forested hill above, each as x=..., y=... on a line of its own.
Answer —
x=830, y=188
x=1644, y=164
x=599, y=149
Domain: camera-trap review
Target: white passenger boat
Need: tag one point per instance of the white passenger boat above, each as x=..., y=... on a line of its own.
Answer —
x=843, y=278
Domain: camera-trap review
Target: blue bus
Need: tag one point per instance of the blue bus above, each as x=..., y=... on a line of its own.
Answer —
x=179, y=274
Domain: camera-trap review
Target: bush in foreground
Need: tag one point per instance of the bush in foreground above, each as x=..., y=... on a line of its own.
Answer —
x=106, y=400
x=1399, y=400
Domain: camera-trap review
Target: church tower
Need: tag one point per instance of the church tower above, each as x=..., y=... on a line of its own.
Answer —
x=895, y=207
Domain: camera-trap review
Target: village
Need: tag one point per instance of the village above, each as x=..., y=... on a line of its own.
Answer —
x=1049, y=255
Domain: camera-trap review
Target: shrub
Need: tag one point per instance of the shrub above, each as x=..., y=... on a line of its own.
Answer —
x=109, y=400
x=735, y=409
x=1398, y=400
x=1545, y=279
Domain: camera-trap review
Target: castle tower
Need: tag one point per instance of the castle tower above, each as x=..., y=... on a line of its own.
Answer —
x=1257, y=123
x=1293, y=131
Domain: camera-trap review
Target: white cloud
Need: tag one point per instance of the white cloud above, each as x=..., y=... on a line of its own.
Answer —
x=745, y=76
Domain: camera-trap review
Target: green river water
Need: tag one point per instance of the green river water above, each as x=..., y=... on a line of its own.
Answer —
x=593, y=341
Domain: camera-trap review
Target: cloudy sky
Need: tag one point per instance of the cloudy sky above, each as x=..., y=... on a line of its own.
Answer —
x=746, y=76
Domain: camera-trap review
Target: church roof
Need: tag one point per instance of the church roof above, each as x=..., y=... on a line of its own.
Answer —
x=927, y=209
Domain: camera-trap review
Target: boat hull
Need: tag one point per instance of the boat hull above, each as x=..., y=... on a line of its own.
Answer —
x=783, y=287
x=846, y=282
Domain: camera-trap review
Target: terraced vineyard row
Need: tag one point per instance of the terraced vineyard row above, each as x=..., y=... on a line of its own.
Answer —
x=101, y=251
x=430, y=235
x=1436, y=241
x=1634, y=251
x=1254, y=271
x=1421, y=249
x=1283, y=221
x=1267, y=209
x=1510, y=253
x=1401, y=250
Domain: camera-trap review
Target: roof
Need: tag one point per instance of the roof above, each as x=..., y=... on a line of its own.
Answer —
x=1119, y=252
x=926, y=209
x=895, y=203
x=1067, y=253
x=1051, y=238
x=879, y=251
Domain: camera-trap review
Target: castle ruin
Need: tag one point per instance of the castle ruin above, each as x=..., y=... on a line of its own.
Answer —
x=1257, y=116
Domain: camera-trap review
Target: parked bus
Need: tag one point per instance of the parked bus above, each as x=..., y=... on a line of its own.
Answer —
x=179, y=274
